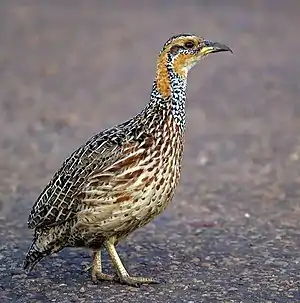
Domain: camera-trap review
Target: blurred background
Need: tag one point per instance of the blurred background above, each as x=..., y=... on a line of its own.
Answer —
x=70, y=69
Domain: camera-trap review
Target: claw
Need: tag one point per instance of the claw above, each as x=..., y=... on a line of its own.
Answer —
x=99, y=276
x=137, y=281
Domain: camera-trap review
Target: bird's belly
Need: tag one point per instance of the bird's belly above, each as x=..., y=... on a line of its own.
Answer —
x=147, y=197
x=152, y=201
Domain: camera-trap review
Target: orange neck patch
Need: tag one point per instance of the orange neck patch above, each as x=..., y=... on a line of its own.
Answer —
x=180, y=67
x=181, y=64
x=162, y=77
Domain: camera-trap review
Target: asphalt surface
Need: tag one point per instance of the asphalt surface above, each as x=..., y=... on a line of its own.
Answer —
x=232, y=232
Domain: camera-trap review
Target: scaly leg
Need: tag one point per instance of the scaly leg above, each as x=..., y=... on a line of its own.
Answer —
x=97, y=273
x=124, y=277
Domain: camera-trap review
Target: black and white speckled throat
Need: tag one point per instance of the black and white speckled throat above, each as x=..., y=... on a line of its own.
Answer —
x=178, y=98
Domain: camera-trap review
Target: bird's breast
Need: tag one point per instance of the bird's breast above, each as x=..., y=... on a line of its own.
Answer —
x=138, y=186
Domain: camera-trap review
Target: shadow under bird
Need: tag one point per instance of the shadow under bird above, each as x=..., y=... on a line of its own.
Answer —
x=124, y=176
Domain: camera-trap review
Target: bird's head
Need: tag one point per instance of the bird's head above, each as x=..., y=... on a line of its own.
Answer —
x=179, y=54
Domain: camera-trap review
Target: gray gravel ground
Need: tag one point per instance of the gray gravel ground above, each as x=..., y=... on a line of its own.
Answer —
x=67, y=70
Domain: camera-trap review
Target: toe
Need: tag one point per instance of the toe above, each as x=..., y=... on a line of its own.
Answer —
x=138, y=281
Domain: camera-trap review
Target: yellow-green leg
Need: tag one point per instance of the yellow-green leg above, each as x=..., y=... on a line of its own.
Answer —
x=124, y=277
x=97, y=273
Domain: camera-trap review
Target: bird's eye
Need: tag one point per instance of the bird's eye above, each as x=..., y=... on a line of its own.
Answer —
x=189, y=44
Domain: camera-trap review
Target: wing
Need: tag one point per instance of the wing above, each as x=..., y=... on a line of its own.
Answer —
x=112, y=190
x=58, y=202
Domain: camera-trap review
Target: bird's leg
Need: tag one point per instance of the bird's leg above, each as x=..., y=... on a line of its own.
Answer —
x=97, y=273
x=124, y=277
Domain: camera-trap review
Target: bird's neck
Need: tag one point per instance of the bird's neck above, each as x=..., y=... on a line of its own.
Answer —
x=169, y=93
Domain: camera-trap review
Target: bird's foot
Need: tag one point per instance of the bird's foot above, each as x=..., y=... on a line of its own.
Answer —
x=137, y=281
x=100, y=276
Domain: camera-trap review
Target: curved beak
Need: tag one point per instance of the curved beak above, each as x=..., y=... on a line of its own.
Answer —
x=214, y=47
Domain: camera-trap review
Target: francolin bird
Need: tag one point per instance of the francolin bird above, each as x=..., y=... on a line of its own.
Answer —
x=124, y=176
